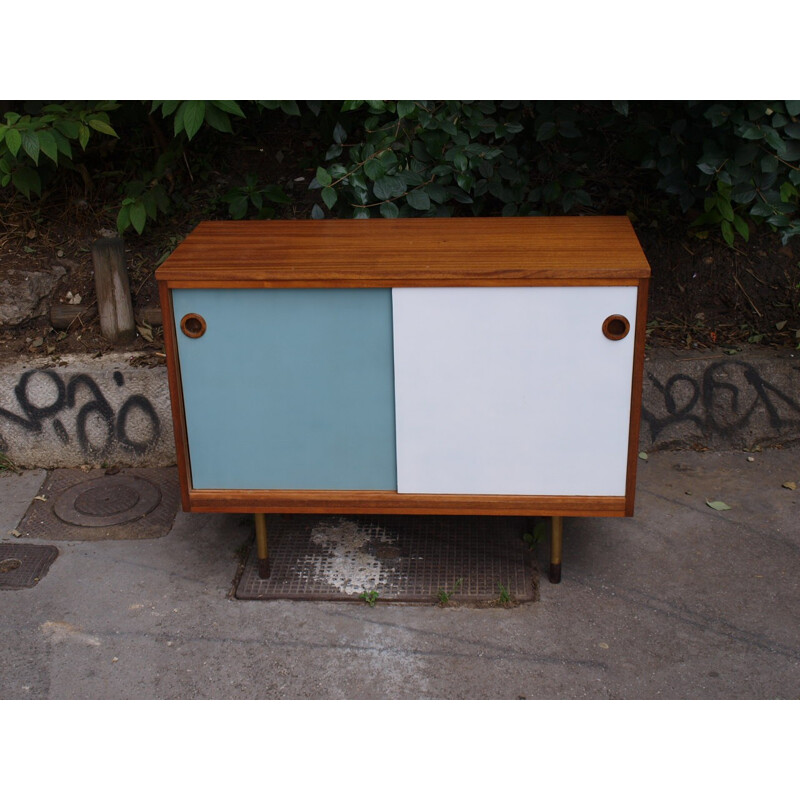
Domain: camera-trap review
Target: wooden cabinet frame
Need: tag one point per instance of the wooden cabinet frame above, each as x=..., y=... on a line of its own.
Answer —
x=474, y=252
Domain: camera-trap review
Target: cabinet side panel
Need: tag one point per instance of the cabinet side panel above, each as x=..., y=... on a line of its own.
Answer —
x=289, y=388
x=512, y=390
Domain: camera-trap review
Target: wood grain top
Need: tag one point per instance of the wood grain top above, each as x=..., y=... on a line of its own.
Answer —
x=408, y=252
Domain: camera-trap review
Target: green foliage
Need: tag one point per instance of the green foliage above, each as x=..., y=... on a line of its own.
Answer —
x=142, y=201
x=504, y=598
x=443, y=596
x=740, y=160
x=536, y=534
x=728, y=166
x=370, y=598
x=6, y=464
x=262, y=198
x=188, y=116
x=32, y=144
x=410, y=158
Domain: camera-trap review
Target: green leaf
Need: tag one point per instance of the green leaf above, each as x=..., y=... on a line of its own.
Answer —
x=374, y=169
x=67, y=127
x=727, y=231
x=30, y=144
x=62, y=144
x=323, y=176
x=27, y=180
x=389, y=210
x=48, y=145
x=352, y=105
x=138, y=216
x=405, y=107
x=546, y=131
x=621, y=107
x=774, y=139
x=389, y=186
x=750, y=131
x=718, y=505
x=793, y=130
x=741, y=227
x=275, y=194
x=725, y=208
x=339, y=134
x=13, y=141
x=228, y=106
x=290, y=107
x=793, y=107
x=83, y=136
x=238, y=207
x=329, y=197
x=124, y=218
x=218, y=119
x=193, y=115
x=102, y=127
x=419, y=200
x=317, y=212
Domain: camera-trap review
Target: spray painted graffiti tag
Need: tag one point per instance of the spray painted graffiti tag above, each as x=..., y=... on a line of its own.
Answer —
x=92, y=415
x=722, y=401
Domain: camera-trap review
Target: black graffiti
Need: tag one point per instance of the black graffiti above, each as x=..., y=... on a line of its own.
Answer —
x=114, y=425
x=717, y=405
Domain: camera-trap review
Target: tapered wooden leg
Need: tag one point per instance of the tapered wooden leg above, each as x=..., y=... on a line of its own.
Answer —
x=556, y=533
x=261, y=545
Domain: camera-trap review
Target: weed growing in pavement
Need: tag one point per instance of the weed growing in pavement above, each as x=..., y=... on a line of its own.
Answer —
x=370, y=598
x=6, y=464
x=505, y=598
x=444, y=596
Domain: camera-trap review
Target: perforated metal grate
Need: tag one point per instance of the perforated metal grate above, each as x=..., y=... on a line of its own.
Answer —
x=403, y=558
x=24, y=565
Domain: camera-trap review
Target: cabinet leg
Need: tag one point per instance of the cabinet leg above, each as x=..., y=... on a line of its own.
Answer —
x=556, y=533
x=261, y=545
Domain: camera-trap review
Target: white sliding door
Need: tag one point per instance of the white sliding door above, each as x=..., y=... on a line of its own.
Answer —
x=506, y=390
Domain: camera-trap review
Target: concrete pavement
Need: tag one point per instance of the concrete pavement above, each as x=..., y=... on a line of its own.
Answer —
x=680, y=601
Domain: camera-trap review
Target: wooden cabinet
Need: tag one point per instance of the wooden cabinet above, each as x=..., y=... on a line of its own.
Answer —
x=451, y=366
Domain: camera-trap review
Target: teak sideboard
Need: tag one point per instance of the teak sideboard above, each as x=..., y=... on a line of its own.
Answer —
x=425, y=366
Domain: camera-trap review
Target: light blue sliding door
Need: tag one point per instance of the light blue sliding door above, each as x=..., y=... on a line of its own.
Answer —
x=289, y=388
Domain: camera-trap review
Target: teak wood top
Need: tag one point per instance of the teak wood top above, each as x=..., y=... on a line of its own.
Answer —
x=495, y=251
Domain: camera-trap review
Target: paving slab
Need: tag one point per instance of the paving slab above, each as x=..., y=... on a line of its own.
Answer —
x=680, y=601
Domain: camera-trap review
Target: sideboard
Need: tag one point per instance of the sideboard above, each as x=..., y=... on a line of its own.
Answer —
x=425, y=366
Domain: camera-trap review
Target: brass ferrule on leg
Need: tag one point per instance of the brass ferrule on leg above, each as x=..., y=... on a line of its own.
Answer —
x=556, y=535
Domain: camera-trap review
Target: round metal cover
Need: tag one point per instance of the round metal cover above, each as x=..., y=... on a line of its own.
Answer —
x=108, y=500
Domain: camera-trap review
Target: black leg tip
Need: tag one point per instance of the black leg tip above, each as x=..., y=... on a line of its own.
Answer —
x=555, y=573
x=263, y=568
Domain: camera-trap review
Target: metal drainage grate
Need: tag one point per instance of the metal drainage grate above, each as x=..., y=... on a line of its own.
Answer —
x=408, y=559
x=24, y=565
x=88, y=506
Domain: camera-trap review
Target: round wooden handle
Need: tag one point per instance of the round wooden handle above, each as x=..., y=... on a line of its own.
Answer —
x=193, y=326
x=616, y=327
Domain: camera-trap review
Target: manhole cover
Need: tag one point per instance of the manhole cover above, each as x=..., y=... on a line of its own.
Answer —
x=134, y=503
x=109, y=500
x=24, y=565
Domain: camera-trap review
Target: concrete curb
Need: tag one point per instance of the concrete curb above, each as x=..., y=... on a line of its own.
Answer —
x=106, y=410
x=85, y=411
